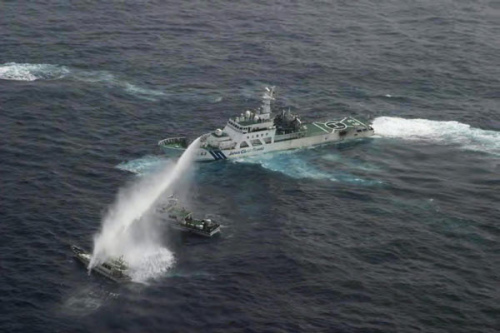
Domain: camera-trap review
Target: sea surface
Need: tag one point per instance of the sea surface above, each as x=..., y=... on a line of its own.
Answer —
x=396, y=233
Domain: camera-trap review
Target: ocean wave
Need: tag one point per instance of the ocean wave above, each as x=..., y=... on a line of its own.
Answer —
x=31, y=72
x=447, y=132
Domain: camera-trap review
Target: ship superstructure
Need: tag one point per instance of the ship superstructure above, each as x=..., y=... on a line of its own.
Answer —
x=257, y=132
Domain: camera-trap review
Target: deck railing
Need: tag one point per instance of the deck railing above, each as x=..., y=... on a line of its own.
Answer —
x=181, y=141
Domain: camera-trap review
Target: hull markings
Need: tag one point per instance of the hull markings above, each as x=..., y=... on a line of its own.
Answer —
x=321, y=128
x=217, y=154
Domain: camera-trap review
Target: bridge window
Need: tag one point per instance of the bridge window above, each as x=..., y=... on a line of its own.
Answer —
x=267, y=140
x=256, y=142
x=244, y=144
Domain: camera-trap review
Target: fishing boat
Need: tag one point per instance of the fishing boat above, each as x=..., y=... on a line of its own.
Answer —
x=259, y=131
x=114, y=269
x=182, y=219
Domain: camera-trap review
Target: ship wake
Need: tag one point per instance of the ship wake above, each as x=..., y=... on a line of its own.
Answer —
x=39, y=72
x=443, y=132
x=310, y=164
x=31, y=72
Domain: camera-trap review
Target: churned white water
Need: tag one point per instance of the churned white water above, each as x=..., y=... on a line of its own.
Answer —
x=31, y=72
x=129, y=231
x=447, y=132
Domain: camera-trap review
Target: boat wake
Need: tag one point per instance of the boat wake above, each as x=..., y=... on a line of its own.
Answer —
x=145, y=165
x=33, y=72
x=445, y=132
x=129, y=230
x=87, y=300
x=299, y=164
x=112, y=81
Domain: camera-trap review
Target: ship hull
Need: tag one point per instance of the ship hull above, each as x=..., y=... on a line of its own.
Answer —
x=204, y=233
x=208, y=155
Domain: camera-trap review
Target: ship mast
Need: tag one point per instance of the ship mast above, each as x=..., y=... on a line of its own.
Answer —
x=268, y=96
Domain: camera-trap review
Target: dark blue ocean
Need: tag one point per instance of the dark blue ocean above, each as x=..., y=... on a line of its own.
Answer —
x=395, y=233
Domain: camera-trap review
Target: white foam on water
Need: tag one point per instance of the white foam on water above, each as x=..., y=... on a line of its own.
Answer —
x=294, y=164
x=141, y=92
x=350, y=163
x=86, y=300
x=94, y=76
x=150, y=263
x=112, y=80
x=288, y=163
x=129, y=231
x=31, y=72
x=144, y=165
x=445, y=132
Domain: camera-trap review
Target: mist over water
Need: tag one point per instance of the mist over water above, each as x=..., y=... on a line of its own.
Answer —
x=129, y=228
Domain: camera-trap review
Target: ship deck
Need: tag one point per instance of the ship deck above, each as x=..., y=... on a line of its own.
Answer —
x=316, y=128
x=319, y=128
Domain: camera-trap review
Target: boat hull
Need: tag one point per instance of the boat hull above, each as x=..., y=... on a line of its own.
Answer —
x=196, y=231
x=85, y=257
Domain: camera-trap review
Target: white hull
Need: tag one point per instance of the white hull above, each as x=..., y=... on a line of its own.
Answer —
x=255, y=133
x=206, y=155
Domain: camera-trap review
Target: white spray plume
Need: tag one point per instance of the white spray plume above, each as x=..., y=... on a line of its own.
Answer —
x=128, y=231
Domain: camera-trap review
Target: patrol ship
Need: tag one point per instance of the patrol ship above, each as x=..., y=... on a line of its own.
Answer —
x=258, y=132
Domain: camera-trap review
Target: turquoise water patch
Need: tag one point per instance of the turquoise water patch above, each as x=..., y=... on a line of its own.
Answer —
x=305, y=164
